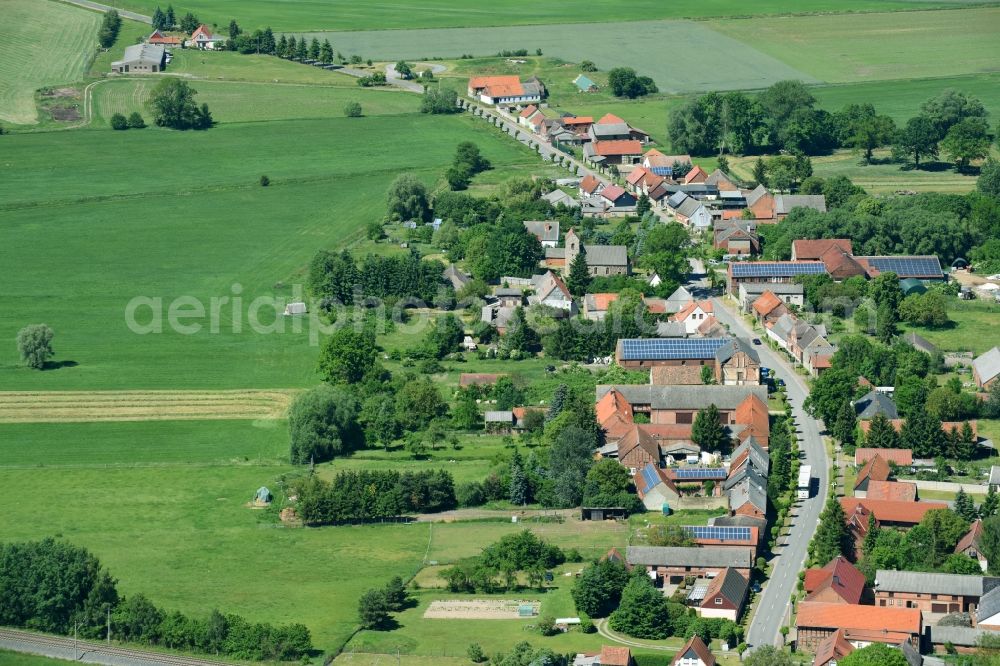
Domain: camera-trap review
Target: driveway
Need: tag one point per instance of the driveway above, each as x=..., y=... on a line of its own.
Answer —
x=96, y=6
x=772, y=604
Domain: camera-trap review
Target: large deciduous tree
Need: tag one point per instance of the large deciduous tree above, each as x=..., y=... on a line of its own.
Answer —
x=322, y=423
x=34, y=344
x=172, y=103
x=967, y=140
x=407, y=199
x=918, y=139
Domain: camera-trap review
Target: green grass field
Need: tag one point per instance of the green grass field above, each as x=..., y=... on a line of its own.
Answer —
x=16, y=659
x=235, y=102
x=187, y=229
x=41, y=44
x=848, y=48
x=344, y=15
x=679, y=55
x=974, y=329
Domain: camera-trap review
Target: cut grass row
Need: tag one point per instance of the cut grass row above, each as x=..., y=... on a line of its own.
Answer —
x=41, y=44
x=84, y=406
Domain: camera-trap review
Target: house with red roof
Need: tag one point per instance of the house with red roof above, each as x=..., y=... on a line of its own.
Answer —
x=768, y=308
x=694, y=653
x=833, y=649
x=693, y=315
x=813, y=250
x=613, y=151
x=817, y=621
x=839, y=582
x=897, y=491
x=612, y=128
x=901, y=457
x=590, y=185
x=203, y=38
x=891, y=513
x=725, y=596
x=695, y=175
x=159, y=38
x=876, y=469
x=505, y=90
x=609, y=655
x=970, y=544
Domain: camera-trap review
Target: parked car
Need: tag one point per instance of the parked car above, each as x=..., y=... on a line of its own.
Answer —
x=756, y=341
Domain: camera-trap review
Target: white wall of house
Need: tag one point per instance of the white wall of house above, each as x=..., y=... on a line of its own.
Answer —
x=725, y=613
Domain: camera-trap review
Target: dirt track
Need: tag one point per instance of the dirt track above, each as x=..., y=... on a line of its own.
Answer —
x=79, y=406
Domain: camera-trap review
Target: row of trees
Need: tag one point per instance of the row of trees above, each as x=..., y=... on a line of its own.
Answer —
x=53, y=586
x=373, y=495
x=167, y=20
x=337, y=278
x=134, y=121
x=111, y=23
x=784, y=117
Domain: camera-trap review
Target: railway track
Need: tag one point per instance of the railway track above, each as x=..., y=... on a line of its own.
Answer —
x=93, y=652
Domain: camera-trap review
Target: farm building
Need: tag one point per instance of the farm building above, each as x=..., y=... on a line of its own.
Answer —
x=203, y=38
x=140, y=58
x=505, y=90
x=584, y=84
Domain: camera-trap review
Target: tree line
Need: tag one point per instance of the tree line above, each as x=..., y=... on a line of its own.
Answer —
x=339, y=278
x=374, y=494
x=498, y=565
x=53, y=586
x=167, y=20
x=111, y=23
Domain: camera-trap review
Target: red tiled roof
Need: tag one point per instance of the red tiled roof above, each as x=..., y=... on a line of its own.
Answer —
x=578, y=120
x=696, y=645
x=610, y=119
x=528, y=111
x=863, y=618
x=636, y=175
x=766, y=303
x=615, y=656
x=477, y=82
x=876, y=469
x=838, y=575
x=688, y=310
x=504, y=89
x=612, y=192
x=899, y=456
x=834, y=648
x=971, y=537
x=814, y=249
x=613, y=402
x=752, y=413
x=589, y=183
x=695, y=175
x=898, y=491
x=618, y=147
x=655, y=305
x=889, y=511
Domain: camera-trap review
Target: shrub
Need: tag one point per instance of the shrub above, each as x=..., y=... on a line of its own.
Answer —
x=135, y=121
x=352, y=110
x=119, y=122
x=264, y=181
x=588, y=66
x=475, y=653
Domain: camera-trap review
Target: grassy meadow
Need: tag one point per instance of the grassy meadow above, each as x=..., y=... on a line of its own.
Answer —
x=344, y=15
x=41, y=44
x=848, y=48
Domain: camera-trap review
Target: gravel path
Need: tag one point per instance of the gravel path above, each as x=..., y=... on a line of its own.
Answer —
x=87, y=4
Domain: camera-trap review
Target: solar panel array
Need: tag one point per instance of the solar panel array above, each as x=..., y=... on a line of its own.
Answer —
x=776, y=268
x=663, y=171
x=700, y=473
x=718, y=533
x=907, y=266
x=649, y=477
x=670, y=348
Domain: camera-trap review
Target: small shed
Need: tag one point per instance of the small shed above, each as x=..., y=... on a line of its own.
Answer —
x=297, y=308
x=912, y=286
x=603, y=513
x=584, y=84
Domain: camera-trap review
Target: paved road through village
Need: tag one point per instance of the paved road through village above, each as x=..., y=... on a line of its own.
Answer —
x=772, y=603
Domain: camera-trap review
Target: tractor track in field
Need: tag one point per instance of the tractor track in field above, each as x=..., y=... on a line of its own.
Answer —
x=92, y=406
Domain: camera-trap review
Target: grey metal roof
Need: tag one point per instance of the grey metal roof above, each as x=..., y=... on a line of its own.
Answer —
x=545, y=230
x=734, y=586
x=607, y=255
x=960, y=636
x=989, y=604
x=676, y=199
x=749, y=491
x=146, y=53
x=739, y=521
x=610, y=129
x=500, y=417
x=685, y=397
x=556, y=197
x=777, y=288
x=555, y=253
x=457, y=278
x=933, y=583
x=689, y=207
x=755, y=194
x=710, y=556
x=995, y=475
x=758, y=456
x=872, y=403
x=786, y=202
x=671, y=329
x=751, y=471
x=728, y=350
x=718, y=175
x=988, y=365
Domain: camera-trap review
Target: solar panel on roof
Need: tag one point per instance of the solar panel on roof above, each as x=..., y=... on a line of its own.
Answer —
x=776, y=269
x=671, y=348
x=726, y=533
x=649, y=477
x=906, y=266
x=663, y=171
x=700, y=473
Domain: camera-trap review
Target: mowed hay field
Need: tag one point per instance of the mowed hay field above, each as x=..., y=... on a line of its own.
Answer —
x=192, y=221
x=41, y=44
x=847, y=48
x=83, y=406
x=347, y=15
x=234, y=102
x=679, y=55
